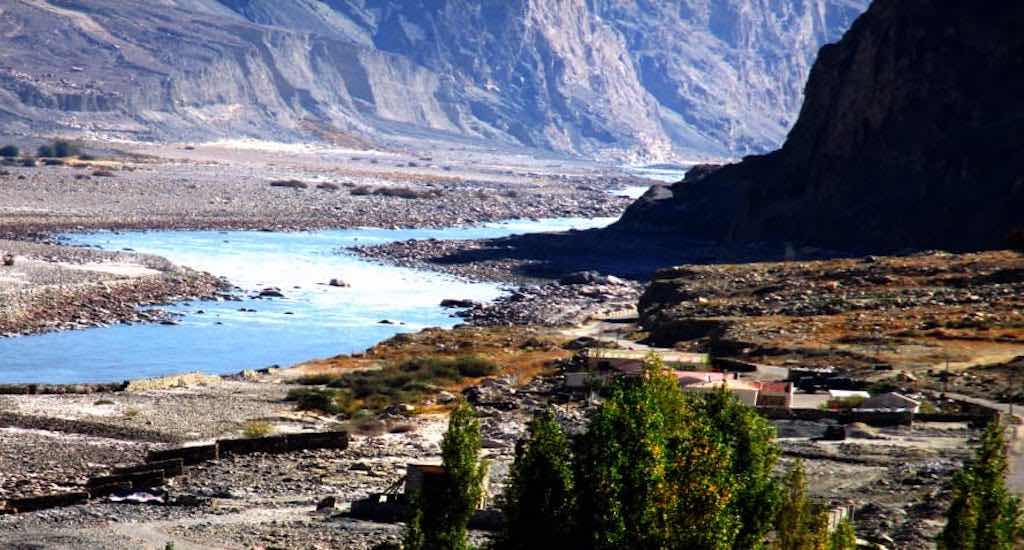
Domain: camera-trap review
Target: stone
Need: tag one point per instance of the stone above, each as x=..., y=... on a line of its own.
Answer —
x=339, y=283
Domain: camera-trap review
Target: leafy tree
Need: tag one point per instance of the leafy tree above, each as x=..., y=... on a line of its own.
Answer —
x=799, y=526
x=63, y=149
x=844, y=537
x=45, y=151
x=9, y=151
x=539, y=504
x=751, y=439
x=652, y=473
x=983, y=515
x=443, y=508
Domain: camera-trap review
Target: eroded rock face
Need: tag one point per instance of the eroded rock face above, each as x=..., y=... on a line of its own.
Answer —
x=911, y=135
x=637, y=80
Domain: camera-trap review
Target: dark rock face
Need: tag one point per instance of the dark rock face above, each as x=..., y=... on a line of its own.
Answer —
x=637, y=80
x=911, y=135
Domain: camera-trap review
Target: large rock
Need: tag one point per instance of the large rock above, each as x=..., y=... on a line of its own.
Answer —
x=911, y=135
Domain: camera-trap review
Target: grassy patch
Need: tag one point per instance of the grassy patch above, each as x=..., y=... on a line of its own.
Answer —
x=375, y=390
x=257, y=428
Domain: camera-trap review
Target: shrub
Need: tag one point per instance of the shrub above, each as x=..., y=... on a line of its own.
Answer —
x=327, y=186
x=54, y=162
x=473, y=366
x=315, y=400
x=45, y=151
x=290, y=184
x=9, y=151
x=103, y=174
x=361, y=190
x=257, y=428
x=28, y=162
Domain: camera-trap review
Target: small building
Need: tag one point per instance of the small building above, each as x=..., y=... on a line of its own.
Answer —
x=891, y=401
x=746, y=391
x=846, y=394
x=599, y=365
x=418, y=476
x=777, y=395
x=619, y=359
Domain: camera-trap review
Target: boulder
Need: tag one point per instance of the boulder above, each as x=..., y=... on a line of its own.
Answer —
x=458, y=303
x=338, y=283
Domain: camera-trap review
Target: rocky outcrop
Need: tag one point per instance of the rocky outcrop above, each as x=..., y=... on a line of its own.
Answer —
x=911, y=135
x=634, y=80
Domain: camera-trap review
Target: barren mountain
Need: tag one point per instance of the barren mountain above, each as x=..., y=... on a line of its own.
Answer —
x=911, y=135
x=644, y=79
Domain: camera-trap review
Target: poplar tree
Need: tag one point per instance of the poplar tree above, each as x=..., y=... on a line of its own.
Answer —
x=442, y=509
x=983, y=514
x=539, y=503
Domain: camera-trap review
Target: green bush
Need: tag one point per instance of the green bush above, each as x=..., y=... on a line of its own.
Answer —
x=409, y=381
x=9, y=151
x=328, y=401
x=64, y=149
x=58, y=149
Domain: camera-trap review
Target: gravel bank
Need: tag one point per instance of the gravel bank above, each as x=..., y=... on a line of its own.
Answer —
x=52, y=287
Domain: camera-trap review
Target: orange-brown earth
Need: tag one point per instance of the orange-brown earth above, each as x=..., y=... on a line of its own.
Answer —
x=900, y=318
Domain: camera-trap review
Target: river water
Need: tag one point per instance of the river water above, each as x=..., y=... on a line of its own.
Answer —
x=312, y=320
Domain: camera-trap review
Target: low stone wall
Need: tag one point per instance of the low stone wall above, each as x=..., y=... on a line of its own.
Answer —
x=871, y=418
x=167, y=463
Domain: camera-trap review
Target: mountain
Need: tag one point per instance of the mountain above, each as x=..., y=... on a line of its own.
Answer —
x=911, y=135
x=632, y=79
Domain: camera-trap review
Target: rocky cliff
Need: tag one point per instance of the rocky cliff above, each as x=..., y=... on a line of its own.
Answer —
x=632, y=79
x=911, y=134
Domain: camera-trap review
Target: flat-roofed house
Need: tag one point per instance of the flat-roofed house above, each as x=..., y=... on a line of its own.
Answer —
x=601, y=358
x=890, y=402
x=777, y=395
x=746, y=391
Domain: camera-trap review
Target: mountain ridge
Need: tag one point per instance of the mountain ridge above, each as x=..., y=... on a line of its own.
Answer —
x=604, y=78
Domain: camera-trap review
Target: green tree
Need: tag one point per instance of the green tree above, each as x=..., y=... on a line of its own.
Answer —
x=844, y=537
x=652, y=473
x=799, y=525
x=754, y=453
x=63, y=149
x=45, y=151
x=982, y=514
x=539, y=503
x=9, y=151
x=442, y=509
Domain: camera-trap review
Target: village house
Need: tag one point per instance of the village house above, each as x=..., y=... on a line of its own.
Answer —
x=890, y=402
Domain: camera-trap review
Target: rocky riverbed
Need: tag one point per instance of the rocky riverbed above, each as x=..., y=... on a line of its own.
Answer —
x=208, y=187
x=50, y=287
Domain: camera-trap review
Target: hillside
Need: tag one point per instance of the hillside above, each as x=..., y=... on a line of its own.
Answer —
x=636, y=80
x=911, y=135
